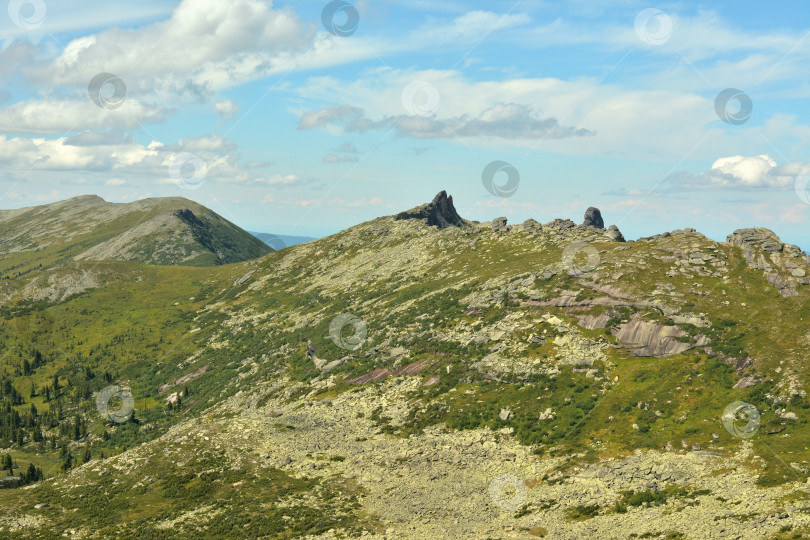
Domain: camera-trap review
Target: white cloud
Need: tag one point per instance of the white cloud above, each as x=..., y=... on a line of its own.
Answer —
x=204, y=45
x=227, y=109
x=208, y=45
x=470, y=27
x=127, y=159
x=114, y=182
x=740, y=172
x=71, y=115
x=502, y=120
x=523, y=111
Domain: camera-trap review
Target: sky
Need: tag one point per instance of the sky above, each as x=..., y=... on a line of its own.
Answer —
x=307, y=117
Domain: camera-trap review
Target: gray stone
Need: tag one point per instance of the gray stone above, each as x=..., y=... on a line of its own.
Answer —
x=593, y=218
x=615, y=234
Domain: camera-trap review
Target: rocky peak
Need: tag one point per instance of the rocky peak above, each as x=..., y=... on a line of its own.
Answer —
x=440, y=212
x=593, y=218
x=756, y=238
x=785, y=265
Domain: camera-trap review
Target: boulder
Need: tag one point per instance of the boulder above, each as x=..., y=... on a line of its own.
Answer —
x=531, y=225
x=615, y=234
x=498, y=223
x=548, y=414
x=561, y=224
x=593, y=218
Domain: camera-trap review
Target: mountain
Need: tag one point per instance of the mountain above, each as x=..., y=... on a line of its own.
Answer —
x=281, y=241
x=87, y=228
x=422, y=375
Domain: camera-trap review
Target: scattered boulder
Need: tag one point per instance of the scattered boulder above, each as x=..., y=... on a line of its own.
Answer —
x=615, y=234
x=548, y=414
x=593, y=218
x=440, y=212
x=561, y=224
x=505, y=414
x=499, y=224
x=531, y=225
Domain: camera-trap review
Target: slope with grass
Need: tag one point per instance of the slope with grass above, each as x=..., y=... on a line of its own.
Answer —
x=396, y=376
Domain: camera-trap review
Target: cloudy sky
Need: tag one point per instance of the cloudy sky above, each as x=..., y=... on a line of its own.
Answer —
x=308, y=117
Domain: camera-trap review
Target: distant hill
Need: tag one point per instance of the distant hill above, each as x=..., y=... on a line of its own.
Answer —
x=165, y=231
x=280, y=241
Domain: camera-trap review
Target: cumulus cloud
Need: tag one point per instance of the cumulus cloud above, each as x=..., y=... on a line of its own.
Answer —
x=71, y=115
x=123, y=158
x=204, y=45
x=504, y=120
x=741, y=172
x=226, y=109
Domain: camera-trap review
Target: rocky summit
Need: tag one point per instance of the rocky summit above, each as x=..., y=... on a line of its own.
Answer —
x=593, y=218
x=440, y=212
x=414, y=376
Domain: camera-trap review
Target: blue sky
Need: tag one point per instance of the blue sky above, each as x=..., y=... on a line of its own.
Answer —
x=256, y=110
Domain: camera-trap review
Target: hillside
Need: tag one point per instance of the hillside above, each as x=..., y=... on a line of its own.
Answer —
x=422, y=375
x=154, y=231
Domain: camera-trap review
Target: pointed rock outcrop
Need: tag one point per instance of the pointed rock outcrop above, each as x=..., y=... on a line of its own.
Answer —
x=593, y=218
x=440, y=212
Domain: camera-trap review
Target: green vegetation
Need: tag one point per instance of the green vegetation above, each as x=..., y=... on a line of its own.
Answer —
x=193, y=335
x=579, y=513
x=655, y=498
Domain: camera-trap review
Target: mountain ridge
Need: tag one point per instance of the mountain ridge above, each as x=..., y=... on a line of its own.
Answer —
x=382, y=371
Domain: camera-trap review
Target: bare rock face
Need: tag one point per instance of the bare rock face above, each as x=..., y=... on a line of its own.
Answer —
x=755, y=243
x=440, y=212
x=593, y=218
x=650, y=339
x=785, y=265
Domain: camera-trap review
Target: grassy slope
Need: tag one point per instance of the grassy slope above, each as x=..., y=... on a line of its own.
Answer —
x=255, y=331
